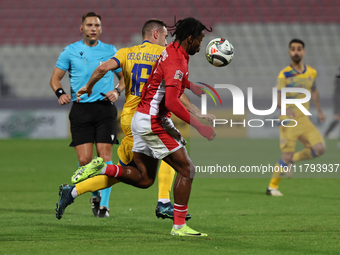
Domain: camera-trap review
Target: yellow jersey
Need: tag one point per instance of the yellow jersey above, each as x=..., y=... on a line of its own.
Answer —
x=289, y=77
x=137, y=63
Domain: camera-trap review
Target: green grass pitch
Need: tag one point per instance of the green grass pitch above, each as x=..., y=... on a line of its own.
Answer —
x=236, y=213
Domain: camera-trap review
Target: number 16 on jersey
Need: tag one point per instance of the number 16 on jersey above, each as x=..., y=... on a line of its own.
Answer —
x=137, y=78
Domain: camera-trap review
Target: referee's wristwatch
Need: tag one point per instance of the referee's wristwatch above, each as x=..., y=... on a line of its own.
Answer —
x=119, y=91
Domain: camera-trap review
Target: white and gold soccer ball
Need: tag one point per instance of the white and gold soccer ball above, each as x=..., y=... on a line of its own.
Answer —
x=219, y=52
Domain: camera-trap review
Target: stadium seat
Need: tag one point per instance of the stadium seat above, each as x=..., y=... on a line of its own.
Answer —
x=259, y=30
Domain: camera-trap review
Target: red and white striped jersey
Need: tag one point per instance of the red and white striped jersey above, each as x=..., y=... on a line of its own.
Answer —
x=171, y=69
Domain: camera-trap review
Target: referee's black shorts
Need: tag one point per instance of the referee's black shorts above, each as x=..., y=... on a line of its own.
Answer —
x=93, y=123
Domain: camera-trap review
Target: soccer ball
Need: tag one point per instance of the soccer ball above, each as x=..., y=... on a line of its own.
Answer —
x=219, y=52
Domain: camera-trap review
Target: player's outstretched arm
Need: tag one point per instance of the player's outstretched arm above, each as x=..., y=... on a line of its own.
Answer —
x=173, y=104
x=114, y=94
x=55, y=84
x=97, y=74
x=197, y=90
x=194, y=110
x=316, y=100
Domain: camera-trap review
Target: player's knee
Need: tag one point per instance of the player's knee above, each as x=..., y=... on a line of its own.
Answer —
x=287, y=157
x=146, y=183
x=322, y=151
x=187, y=170
x=319, y=149
x=192, y=172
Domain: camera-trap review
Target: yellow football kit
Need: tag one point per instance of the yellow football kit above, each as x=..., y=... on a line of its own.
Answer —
x=304, y=131
x=137, y=63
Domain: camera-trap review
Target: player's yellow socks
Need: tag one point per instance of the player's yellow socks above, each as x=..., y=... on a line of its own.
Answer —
x=165, y=178
x=96, y=183
x=277, y=175
x=304, y=154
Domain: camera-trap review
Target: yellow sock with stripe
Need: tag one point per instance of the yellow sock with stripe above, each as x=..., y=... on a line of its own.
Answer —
x=165, y=178
x=96, y=183
x=277, y=175
x=304, y=154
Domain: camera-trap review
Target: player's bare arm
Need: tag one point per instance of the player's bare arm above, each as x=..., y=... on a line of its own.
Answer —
x=316, y=100
x=195, y=89
x=114, y=94
x=55, y=84
x=98, y=73
x=173, y=104
x=194, y=110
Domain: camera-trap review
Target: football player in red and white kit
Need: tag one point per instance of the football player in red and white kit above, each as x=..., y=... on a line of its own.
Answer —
x=154, y=134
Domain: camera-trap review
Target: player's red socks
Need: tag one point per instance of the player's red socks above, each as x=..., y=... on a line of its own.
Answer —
x=113, y=171
x=180, y=212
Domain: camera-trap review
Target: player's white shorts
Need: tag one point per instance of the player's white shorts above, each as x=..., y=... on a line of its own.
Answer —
x=155, y=136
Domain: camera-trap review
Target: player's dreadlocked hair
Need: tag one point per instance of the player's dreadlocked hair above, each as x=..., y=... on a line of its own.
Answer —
x=186, y=27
